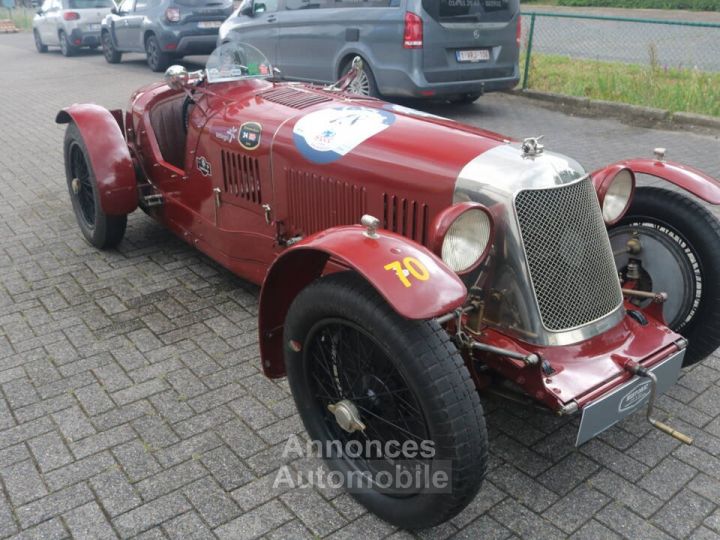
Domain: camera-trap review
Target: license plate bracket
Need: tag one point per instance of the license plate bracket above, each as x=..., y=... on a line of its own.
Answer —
x=472, y=56
x=608, y=410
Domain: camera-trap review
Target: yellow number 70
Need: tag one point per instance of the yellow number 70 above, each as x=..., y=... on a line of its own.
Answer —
x=409, y=266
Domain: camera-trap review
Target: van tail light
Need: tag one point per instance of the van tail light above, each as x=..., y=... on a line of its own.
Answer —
x=413, y=38
x=71, y=15
x=518, y=31
x=172, y=14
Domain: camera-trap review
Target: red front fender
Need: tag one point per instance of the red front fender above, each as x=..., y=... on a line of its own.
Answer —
x=696, y=182
x=414, y=281
x=109, y=156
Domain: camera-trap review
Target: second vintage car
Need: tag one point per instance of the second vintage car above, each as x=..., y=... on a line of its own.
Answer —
x=409, y=263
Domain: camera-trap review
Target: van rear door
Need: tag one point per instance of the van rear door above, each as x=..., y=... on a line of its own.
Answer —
x=467, y=40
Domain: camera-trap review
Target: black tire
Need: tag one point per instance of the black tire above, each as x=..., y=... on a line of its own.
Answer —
x=112, y=55
x=365, y=86
x=465, y=99
x=157, y=60
x=422, y=357
x=693, y=232
x=66, y=48
x=41, y=48
x=101, y=230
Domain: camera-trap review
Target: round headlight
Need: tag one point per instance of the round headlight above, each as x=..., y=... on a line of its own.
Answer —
x=467, y=240
x=618, y=196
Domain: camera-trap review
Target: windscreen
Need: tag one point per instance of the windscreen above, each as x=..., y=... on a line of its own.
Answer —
x=204, y=3
x=89, y=4
x=471, y=10
x=235, y=62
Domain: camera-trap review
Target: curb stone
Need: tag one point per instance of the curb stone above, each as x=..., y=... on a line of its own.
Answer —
x=630, y=114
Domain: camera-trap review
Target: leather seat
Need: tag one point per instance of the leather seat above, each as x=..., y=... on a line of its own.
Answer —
x=167, y=123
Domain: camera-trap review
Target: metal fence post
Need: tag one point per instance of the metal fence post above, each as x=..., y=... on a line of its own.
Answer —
x=529, y=51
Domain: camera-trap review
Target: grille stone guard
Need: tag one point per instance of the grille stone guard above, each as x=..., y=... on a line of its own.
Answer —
x=567, y=249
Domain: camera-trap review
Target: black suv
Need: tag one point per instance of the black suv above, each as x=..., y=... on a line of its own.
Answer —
x=163, y=29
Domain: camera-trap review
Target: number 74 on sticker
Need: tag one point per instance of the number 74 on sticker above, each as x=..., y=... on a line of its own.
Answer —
x=409, y=266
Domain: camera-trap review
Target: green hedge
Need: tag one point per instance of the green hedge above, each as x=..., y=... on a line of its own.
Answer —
x=699, y=5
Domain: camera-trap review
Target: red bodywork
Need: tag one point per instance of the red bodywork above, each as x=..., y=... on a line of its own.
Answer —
x=275, y=217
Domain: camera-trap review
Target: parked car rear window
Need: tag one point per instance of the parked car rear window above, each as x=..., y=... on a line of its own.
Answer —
x=204, y=3
x=470, y=10
x=88, y=4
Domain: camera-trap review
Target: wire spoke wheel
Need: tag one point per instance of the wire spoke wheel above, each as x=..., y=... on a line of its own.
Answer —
x=82, y=186
x=344, y=362
x=388, y=401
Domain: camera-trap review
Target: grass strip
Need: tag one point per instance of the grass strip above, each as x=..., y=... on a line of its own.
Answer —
x=676, y=90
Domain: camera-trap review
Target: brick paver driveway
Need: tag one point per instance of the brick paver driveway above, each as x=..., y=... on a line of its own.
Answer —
x=131, y=401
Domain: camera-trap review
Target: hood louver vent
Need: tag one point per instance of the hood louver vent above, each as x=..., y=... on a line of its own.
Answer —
x=406, y=217
x=292, y=97
x=316, y=203
x=241, y=176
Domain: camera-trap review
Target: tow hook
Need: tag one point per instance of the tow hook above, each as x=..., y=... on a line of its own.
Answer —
x=641, y=371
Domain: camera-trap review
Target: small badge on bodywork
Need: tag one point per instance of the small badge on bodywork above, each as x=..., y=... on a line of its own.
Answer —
x=250, y=135
x=204, y=166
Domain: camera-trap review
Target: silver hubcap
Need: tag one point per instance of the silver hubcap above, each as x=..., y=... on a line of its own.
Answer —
x=670, y=263
x=347, y=416
x=361, y=85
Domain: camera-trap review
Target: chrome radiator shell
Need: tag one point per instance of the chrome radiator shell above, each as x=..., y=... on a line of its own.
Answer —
x=522, y=299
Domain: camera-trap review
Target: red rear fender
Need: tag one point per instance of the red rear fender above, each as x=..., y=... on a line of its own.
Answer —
x=414, y=281
x=109, y=155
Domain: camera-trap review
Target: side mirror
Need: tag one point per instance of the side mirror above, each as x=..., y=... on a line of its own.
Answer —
x=176, y=77
x=260, y=8
x=114, y=10
x=39, y=12
x=247, y=8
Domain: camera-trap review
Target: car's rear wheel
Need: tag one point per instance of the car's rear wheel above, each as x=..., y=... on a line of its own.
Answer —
x=112, y=56
x=41, y=48
x=364, y=83
x=66, y=48
x=679, y=254
x=101, y=230
x=157, y=60
x=362, y=375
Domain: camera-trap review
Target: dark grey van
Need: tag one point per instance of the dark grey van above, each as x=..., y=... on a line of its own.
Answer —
x=163, y=29
x=450, y=49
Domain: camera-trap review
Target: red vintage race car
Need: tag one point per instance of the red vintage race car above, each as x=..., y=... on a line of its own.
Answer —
x=409, y=262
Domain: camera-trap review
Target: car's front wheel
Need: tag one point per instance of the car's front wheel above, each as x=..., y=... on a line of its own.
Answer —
x=367, y=383
x=157, y=60
x=101, y=230
x=39, y=45
x=674, y=248
x=66, y=48
x=112, y=55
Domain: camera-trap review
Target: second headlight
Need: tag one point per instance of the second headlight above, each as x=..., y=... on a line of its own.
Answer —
x=463, y=234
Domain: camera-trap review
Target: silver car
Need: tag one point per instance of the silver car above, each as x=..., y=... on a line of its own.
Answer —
x=69, y=24
x=448, y=49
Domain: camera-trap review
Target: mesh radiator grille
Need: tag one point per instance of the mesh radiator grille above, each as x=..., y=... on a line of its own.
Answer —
x=569, y=255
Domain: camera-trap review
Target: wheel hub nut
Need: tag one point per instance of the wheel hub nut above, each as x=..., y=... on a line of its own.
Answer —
x=347, y=416
x=75, y=184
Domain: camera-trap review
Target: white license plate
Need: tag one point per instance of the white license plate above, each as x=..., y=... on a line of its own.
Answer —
x=475, y=55
x=209, y=24
x=93, y=27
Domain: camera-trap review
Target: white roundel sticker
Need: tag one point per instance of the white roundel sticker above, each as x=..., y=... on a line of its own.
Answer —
x=326, y=135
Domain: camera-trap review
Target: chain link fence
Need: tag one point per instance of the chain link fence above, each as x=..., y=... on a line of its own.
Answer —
x=660, y=43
